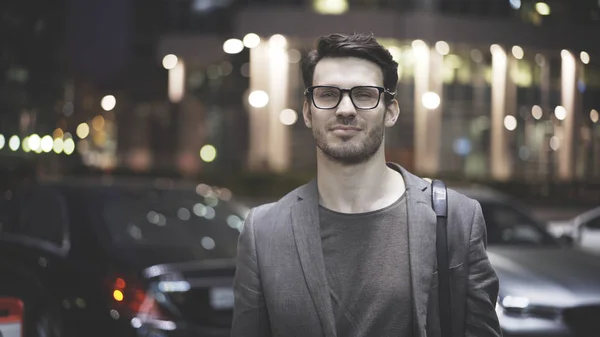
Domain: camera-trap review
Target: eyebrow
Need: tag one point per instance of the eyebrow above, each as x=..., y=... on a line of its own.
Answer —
x=359, y=85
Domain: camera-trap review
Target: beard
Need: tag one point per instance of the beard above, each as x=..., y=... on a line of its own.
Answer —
x=349, y=151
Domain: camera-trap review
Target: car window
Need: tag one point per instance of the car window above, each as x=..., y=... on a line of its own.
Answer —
x=506, y=225
x=593, y=224
x=39, y=213
x=172, y=219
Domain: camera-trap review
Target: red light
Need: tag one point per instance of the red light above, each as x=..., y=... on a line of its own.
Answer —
x=130, y=296
x=120, y=283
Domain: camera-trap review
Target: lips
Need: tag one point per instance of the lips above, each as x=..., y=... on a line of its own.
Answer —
x=345, y=132
x=345, y=128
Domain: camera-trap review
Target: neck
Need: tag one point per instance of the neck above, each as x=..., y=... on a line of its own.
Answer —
x=359, y=188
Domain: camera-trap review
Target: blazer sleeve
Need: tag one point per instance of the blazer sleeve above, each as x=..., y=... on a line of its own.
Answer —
x=483, y=284
x=250, y=317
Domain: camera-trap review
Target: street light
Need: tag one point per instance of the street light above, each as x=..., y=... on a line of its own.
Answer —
x=288, y=117
x=169, y=61
x=251, y=40
x=560, y=112
x=593, y=116
x=510, y=123
x=108, y=102
x=83, y=130
x=585, y=57
x=208, y=153
x=233, y=46
x=34, y=141
x=431, y=100
x=517, y=52
x=442, y=47
x=14, y=142
x=258, y=99
x=542, y=8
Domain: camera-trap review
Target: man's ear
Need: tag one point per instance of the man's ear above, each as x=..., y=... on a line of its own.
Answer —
x=307, y=114
x=391, y=113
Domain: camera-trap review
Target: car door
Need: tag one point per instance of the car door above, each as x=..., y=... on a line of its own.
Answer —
x=33, y=245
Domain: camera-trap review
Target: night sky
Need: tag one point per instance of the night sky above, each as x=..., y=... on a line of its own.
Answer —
x=99, y=37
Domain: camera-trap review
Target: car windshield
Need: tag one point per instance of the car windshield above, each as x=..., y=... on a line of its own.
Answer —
x=171, y=218
x=39, y=213
x=158, y=224
x=507, y=225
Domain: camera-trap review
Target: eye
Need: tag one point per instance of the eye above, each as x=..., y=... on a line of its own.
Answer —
x=327, y=93
x=365, y=93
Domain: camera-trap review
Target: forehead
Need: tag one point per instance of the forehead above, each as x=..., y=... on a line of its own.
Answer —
x=347, y=72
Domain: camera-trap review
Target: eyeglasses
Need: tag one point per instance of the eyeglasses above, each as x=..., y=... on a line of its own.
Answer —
x=362, y=97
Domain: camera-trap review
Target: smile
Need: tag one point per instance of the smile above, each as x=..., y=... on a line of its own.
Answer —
x=345, y=128
x=345, y=131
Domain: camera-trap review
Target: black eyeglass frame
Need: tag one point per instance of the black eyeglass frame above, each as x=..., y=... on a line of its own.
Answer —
x=309, y=93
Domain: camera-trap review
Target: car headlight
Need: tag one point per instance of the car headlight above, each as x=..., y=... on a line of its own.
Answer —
x=518, y=306
x=515, y=302
x=512, y=305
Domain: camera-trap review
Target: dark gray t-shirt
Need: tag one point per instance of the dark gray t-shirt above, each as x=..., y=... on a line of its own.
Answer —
x=366, y=259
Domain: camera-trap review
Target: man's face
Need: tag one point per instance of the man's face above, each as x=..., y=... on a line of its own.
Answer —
x=345, y=134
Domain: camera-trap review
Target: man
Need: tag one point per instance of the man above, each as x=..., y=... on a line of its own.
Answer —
x=352, y=253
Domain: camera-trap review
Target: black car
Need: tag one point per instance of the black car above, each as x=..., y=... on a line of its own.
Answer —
x=118, y=257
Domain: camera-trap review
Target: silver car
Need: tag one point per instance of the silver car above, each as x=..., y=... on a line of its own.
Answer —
x=547, y=287
x=584, y=229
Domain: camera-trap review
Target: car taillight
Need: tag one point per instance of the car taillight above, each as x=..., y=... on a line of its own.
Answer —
x=132, y=297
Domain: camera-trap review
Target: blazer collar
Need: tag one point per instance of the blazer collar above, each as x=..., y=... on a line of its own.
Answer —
x=421, y=232
x=422, y=223
x=307, y=234
x=310, y=190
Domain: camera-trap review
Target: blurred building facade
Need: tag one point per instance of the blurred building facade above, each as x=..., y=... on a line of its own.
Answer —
x=32, y=73
x=54, y=112
x=490, y=89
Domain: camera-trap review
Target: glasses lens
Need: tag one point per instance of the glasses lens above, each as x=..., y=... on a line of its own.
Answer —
x=365, y=97
x=326, y=97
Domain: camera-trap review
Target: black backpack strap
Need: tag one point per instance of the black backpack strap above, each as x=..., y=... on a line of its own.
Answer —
x=439, y=201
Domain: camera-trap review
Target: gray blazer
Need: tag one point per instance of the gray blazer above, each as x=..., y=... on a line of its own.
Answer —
x=280, y=283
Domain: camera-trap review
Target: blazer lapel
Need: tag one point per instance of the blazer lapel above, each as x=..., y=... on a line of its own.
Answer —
x=307, y=234
x=421, y=235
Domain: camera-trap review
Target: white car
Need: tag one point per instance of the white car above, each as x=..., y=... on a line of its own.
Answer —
x=584, y=229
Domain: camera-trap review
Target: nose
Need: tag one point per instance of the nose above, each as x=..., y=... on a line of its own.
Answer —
x=345, y=108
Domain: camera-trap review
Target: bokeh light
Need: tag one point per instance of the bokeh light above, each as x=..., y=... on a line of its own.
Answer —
x=288, y=117
x=510, y=123
x=431, y=100
x=83, y=130
x=108, y=102
x=69, y=146
x=14, y=142
x=251, y=40
x=258, y=99
x=208, y=153
x=169, y=61
x=233, y=46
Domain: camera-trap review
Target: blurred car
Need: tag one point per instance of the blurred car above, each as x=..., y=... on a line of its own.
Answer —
x=547, y=288
x=93, y=257
x=584, y=229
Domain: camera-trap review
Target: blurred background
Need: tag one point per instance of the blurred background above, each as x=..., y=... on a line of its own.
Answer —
x=109, y=106
x=496, y=90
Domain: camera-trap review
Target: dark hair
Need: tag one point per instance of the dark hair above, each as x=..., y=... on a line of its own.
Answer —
x=354, y=45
